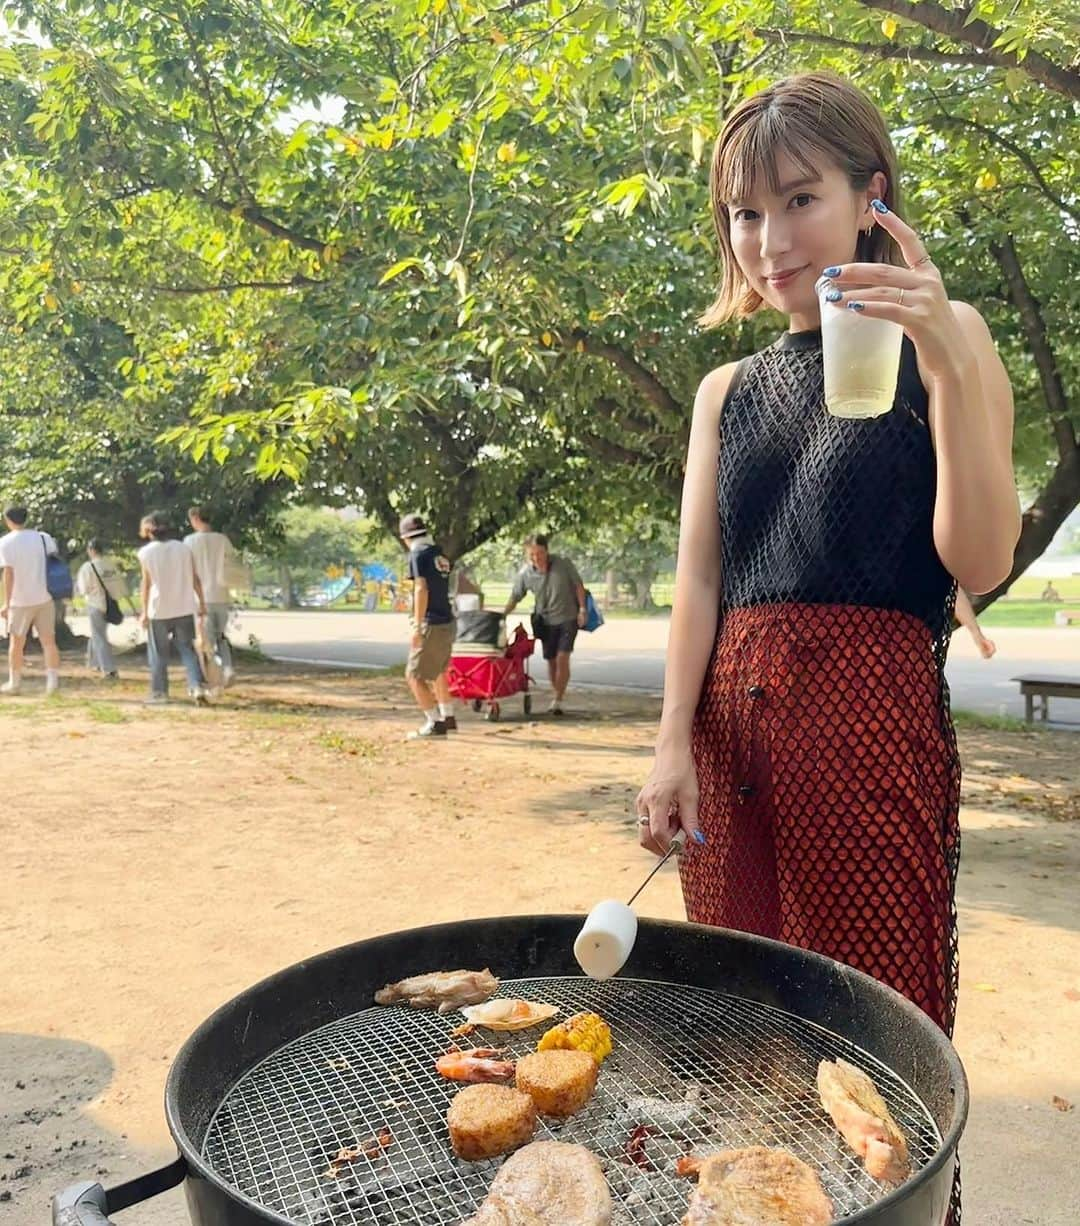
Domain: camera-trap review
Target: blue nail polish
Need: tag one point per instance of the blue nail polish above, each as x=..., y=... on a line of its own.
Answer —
x=832, y=272
x=698, y=837
x=879, y=206
x=855, y=306
x=834, y=295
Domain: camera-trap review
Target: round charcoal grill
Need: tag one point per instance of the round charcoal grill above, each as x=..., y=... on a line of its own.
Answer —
x=717, y=1040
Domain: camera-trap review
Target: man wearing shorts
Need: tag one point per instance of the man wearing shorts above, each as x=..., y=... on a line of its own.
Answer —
x=559, y=612
x=433, y=630
x=27, y=603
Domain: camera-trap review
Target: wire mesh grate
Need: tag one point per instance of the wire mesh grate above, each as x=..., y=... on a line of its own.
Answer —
x=693, y=1071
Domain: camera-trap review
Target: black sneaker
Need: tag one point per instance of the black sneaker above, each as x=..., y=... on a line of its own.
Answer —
x=438, y=728
x=451, y=723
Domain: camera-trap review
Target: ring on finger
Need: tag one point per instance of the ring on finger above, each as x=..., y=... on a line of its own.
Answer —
x=900, y=299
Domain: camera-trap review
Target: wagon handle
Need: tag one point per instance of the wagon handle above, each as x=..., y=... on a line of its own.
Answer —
x=88, y=1204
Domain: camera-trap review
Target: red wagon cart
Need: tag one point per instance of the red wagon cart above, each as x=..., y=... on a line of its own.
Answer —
x=485, y=678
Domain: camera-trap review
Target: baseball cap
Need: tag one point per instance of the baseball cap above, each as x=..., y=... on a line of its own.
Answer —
x=412, y=525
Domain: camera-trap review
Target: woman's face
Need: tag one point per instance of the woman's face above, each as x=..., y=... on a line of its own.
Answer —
x=783, y=242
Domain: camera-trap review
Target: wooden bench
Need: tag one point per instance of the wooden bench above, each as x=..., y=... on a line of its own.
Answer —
x=1045, y=687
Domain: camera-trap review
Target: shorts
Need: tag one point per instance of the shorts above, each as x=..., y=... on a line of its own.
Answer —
x=555, y=639
x=27, y=617
x=428, y=661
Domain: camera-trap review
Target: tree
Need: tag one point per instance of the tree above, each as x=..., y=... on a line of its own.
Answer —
x=445, y=255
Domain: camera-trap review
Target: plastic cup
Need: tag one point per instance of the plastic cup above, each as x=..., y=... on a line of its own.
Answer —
x=861, y=357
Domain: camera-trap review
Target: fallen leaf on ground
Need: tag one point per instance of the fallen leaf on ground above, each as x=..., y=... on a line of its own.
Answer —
x=1062, y=1104
x=985, y=987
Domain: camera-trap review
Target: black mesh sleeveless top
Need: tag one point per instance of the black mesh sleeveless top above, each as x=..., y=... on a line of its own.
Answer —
x=821, y=510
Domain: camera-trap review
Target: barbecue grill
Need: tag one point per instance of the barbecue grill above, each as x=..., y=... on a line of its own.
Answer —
x=718, y=1035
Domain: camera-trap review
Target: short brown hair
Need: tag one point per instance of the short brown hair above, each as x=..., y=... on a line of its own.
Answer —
x=812, y=112
x=202, y=513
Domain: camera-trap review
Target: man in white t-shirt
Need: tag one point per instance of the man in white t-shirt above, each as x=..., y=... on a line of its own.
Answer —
x=98, y=578
x=171, y=591
x=214, y=553
x=27, y=603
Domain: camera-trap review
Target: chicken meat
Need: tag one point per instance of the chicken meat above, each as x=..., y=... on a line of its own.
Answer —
x=863, y=1120
x=445, y=990
x=757, y=1187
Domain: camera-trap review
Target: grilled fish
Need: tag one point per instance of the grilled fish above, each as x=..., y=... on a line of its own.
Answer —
x=446, y=990
x=863, y=1119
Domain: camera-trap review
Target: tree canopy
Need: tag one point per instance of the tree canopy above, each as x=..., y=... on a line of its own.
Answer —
x=447, y=255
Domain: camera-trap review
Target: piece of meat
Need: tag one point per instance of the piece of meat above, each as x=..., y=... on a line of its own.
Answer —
x=547, y=1183
x=476, y=1064
x=863, y=1120
x=757, y=1187
x=447, y=990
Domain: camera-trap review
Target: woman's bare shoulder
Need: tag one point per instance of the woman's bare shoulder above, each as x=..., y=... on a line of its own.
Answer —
x=713, y=389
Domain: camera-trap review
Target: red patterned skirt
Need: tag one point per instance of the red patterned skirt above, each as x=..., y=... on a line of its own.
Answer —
x=829, y=785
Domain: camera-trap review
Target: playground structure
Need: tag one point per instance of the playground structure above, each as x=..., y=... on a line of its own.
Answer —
x=371, y=584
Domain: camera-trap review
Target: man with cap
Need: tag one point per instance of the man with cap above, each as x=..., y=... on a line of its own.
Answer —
x=433, y=630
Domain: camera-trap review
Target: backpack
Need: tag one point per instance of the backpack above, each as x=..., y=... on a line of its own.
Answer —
x=57, y=576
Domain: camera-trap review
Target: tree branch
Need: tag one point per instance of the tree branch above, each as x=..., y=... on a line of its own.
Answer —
x=659, y=398
x=996, y=138
x=1038, y=342
x=253, y=215
x=953, y=23
x=880, y=51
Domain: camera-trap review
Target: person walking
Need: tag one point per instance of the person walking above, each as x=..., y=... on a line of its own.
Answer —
x=28, y=606
x=558, y=613
x=805, y=742
x=171, y=594
x=433, y=630
x=98, y=578
x=213, y=553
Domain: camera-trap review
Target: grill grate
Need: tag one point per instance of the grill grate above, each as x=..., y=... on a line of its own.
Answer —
x=701, y=1070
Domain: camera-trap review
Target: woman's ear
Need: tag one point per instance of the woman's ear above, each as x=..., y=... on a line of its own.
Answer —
x=878, y=186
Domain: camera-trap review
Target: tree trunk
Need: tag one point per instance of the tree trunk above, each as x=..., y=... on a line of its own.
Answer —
x=1041, y=520
x=285, y=579
x=643, y=589
x=611, y=578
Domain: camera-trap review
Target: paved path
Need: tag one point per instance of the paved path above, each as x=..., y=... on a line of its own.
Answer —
x=629, y=652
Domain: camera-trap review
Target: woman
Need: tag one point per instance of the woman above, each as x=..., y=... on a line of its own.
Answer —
x=805, y=742
x=99, y=577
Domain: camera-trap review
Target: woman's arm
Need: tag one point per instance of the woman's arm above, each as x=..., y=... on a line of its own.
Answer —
x=976, y=513
x=696, y=602
x=673, y=781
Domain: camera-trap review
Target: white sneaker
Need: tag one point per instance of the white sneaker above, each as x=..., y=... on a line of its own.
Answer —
x=555, y=707
x=51, y=686
x=157, y=700
x=228, y=675
x=10, y=687
x=200, y=695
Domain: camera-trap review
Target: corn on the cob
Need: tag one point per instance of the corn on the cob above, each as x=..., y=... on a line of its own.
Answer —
x=582, y=1032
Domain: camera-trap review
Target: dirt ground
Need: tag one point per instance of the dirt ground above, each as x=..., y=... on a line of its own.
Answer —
x=158, y=861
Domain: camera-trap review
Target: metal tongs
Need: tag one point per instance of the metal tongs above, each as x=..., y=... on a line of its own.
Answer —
x=678, y=843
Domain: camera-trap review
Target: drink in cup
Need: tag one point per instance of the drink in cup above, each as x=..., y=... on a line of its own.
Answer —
x=861, y=356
